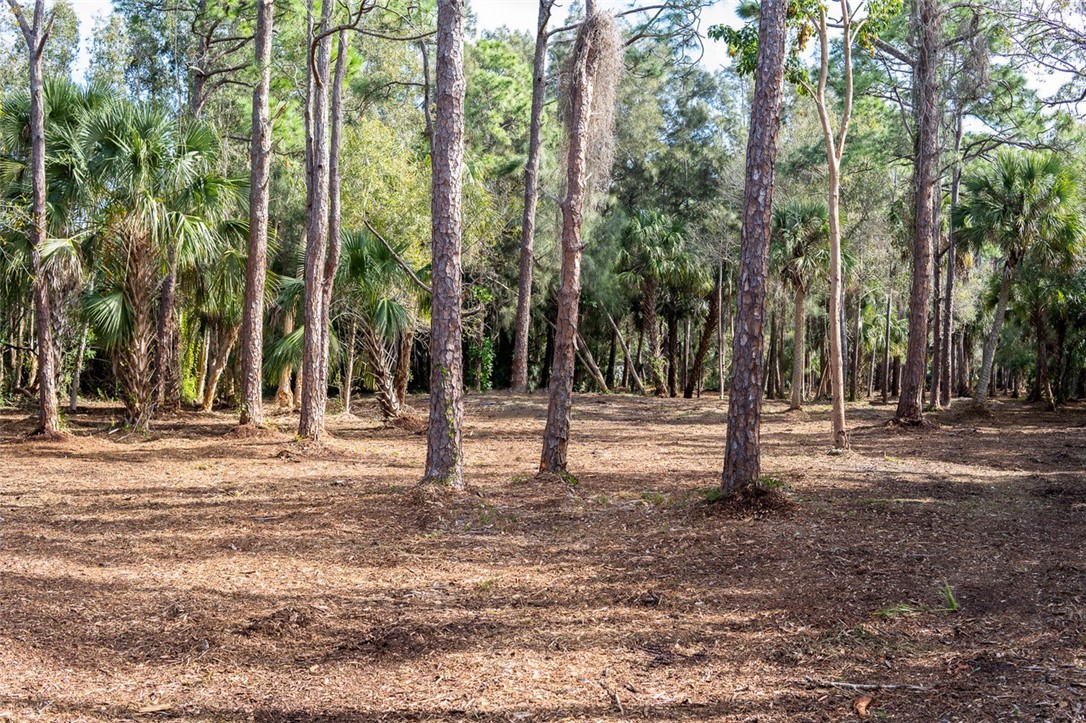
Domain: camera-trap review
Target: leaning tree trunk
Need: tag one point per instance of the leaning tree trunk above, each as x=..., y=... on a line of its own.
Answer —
x=348, y=367
x=988, y=359
x=444, y=447
x=256, y=264
x=36, y=33
x=742, y=454
x=379, y=361
x=223, y=346
x=531, y=201
x=712, y=319
x=583, y=70
x=311, y=420
x=629, y=367
x=910, y=404
x=799, y=328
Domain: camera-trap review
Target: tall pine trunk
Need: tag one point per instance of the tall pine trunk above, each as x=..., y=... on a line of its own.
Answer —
x=444, y=450
x=799, y=328
x=584, y=68
x=311, y=420
x=256, y=263
x=742, y=453
x=36, y=33
x=531, y=201
x=925, y=88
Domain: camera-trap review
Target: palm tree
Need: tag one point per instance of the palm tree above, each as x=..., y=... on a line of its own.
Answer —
x=1021, y=208
x=652, y=241
x=161, y=195
x=377, y=298
x=800, y=253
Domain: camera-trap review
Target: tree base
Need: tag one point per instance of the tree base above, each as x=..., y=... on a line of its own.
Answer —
x=41, y=436
x=752, y=500
x=253, y=431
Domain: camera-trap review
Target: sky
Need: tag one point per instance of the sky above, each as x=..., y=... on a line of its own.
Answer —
x=489, y=14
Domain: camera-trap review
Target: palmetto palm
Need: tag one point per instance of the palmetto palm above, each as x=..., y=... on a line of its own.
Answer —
x=800, y=253
x=1022, y=208
x=161, y=198
x=376, y=297
x=652, y=240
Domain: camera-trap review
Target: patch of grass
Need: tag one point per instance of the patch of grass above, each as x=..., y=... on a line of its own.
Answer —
x=712, y=494
x=569, y=479
x=655, y=498
x=486, y=584
x=771, y=483
x=602, y=500
x=519, y=479
x=950, y=602
x=950, y=605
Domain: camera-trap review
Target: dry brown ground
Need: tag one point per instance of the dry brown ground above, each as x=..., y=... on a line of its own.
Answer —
x=193, y=576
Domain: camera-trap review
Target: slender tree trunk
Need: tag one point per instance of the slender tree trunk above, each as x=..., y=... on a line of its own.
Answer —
x=799, y=327
x=993, y=338
x=202, y=363
x=335, y=242
x=742, y=455
x=73, y=391
x=712, y=327
x=531, y=200
x=886, y=350
x=256, y=264
x=444, y=451
x=926, y=90
x=311, y=420
x=590, y=364
x=284, y=397
x=166, y=371
x=857, y=354
x=403, y=366
x=612, y=358
x=223, y=346
x=720, y=356
x=946, y=371
x=686, y=353
x=36, y=33
x=586, y=61
x=936, y=305
x=672, y=355
x=348, y=366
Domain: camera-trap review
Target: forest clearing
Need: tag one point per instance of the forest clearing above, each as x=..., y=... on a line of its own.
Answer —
x=192, y=576
x=543, y=360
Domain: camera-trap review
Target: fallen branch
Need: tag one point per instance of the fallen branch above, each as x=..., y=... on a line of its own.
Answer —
x=815, y=683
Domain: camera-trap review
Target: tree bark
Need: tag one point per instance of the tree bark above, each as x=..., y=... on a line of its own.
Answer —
x=444, y=451
x=672, y=355
x=946, y=370
x=403, y=366
x=560, y=403
x=652, y=327
x=531, y=200
x=742, y=455
x=256, y=263
x=925, y=83
x=311, y=420
x=886, y=350
x=799, y=328
x=36, y=33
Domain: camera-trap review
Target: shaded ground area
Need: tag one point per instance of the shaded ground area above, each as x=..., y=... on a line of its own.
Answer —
x=187, y=575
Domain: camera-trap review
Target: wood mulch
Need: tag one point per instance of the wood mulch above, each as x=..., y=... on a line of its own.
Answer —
x=198, y=575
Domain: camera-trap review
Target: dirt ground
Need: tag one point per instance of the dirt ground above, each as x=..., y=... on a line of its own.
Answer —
x=190, y=575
